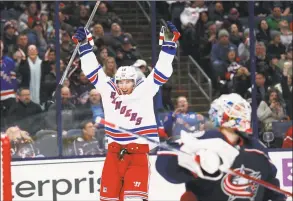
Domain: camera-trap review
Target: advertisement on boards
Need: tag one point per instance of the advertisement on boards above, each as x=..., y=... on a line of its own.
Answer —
x=76, y=179
x=284, y=163
x=79, y=179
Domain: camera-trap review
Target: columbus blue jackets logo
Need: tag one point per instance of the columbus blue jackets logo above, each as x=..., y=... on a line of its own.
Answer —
x=240, y=188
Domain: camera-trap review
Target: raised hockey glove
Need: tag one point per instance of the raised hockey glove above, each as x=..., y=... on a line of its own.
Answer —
x=83, y=36
x=207, y=158
x=168, y=38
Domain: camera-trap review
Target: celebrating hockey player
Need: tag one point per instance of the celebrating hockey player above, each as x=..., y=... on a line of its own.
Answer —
x=202, y=162
x=127, y=101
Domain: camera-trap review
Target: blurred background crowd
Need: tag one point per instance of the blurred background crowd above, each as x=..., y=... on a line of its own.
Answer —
x=214, y=33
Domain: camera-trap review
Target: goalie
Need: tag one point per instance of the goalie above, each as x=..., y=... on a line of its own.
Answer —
x=203, y=161
x=127, y=101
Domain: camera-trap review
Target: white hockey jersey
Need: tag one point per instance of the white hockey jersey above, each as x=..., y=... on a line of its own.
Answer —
x=135, y=111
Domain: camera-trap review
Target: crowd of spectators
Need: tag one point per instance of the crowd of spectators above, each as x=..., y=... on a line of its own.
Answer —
x=216, y=34
x=29, y=77
x=212, y=32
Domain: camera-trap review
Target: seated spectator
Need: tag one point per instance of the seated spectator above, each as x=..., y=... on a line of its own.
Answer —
x=286, y=33
x=233, y=18
x=261, y=88
x=66, y=46
x=235, y=35
x=30, y=14
x=37, y=38
x=271, y=110
x=288, y=140
x=102, y=55
x=98, y=31
x=67, y=112
x=9, y=38
x=93, y=107
x=64, y=25
x=25, y=113
x=264, y=32
x=231, y=69
x=243, y=48
x=110, y=67
x=274, y=20
x=217, y=13
x=86, y=144
x=127, y=55
x=276, y=49
x=22, y=145
x=105, y=17
x=182, y=119
x=220, y=51
x=241, y=81
x=83, y=88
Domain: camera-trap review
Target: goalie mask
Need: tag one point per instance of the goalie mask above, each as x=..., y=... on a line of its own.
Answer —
x=231, y=110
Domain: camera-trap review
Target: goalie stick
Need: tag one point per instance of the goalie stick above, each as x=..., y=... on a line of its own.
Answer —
x=265, y=184
x=75, y=51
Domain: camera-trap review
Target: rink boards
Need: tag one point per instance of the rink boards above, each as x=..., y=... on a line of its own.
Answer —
x=79, y=179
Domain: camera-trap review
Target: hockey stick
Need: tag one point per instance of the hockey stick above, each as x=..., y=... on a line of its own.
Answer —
x=265, y=184
x=59, y=86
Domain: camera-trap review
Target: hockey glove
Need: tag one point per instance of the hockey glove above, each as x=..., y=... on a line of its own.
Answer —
x=83, y=36
x=203, y=156
x=168, y=38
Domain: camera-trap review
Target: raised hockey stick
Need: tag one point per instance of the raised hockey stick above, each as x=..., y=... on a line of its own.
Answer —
x=59, y=86
x=170, y=148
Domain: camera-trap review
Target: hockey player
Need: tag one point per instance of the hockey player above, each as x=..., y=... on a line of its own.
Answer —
x=203, y=160
x=127, y=102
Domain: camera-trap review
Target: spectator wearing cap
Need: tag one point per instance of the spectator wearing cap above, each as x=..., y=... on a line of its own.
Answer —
x=25, y=113
x=233, y=18
x=142, y=65
x=105, y=17
x=9, y=38
x=286, y=33
x=276, y=49
x=264, y=32
x=127, y=55
x=220, y=51
x=274, y=20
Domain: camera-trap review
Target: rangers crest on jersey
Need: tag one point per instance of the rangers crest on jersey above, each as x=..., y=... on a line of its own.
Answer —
x=240, y=188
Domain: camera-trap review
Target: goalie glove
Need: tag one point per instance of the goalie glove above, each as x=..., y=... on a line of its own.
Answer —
x=84, y=37
x=211, y=155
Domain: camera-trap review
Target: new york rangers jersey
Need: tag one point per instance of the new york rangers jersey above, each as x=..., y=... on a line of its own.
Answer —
x=135, y=111
x=252, y=160
x=8, y=78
